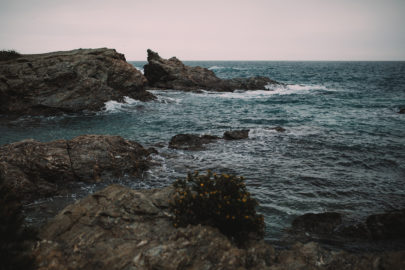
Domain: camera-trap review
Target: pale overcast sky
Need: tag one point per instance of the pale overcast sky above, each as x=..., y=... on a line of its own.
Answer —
x=210, y=29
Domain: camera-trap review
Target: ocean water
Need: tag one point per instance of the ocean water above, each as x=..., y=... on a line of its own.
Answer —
x=343, y=149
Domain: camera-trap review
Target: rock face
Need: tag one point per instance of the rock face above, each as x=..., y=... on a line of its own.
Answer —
x=119, y=228
x=69, y=81
x=191, y=141
x=173, y=74
x=34, y=169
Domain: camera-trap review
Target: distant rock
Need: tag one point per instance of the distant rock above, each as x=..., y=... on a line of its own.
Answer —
x=279, y=129
x=191, y=141
x=173, y=74
x=67, y=81
x=236, y=134
x=35, y=169
x=118, y=228
x=402, y=111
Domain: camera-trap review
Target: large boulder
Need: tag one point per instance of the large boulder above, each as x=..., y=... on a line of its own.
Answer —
x=173, y=74
x=35, y=169
x=236, y=134
x=67, y=81
x=118, y=228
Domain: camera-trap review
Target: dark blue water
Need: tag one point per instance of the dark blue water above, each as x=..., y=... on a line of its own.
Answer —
x=343, y=149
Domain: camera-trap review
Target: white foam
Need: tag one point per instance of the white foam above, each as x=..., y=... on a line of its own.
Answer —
x=215, y=67
x=115, y=106
x=140, y=69
x=272, y=89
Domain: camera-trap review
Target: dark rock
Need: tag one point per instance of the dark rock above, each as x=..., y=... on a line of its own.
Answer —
x=119, y=228
x=191, y=141
x=329, y=225
x=323, y=223
x=69, y=81
x=236, y=134
x=173, y=74
x=34, y=169
x=402, y=111
x=279, y=129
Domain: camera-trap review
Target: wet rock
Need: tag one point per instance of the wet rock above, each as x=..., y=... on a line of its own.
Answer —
x=35, y=169
x=173, y=74
x=279, y=129
x=191, y=141
x=236, y=134
x=402, y=111
x=120, y=228
x=323, y=223
x=67, y=81
x=330, y=225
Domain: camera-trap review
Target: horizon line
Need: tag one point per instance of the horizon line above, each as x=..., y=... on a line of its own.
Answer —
x=402, y=60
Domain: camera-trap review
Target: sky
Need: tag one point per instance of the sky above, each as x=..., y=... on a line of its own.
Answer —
x=210, y=29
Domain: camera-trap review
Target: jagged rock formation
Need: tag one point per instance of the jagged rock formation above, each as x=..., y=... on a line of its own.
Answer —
x=34, y=169
x=67, y=81
x=173, y=74
x=119, y=228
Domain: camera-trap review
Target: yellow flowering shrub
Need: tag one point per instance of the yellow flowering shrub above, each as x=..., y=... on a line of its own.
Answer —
x=218, y=200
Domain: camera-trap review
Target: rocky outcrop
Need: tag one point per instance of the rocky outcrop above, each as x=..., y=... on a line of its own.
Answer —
x=173, y=74
x=119, y=228
x=196, y=142
x=35, y=169
x=68, y=81
x=191, y=141
x=330, y=226
x=236, y=134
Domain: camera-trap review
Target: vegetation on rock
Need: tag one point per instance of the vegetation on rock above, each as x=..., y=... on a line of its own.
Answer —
x=14, y=237
x=8, y=55
x=221, y=201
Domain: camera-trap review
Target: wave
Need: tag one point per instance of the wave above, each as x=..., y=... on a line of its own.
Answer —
x=140, y=69
x=226, y=68
x=274, y=90
x=113, y=106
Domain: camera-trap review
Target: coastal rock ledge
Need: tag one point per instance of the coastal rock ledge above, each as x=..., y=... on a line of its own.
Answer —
x=35, y=169
x=173, y=74
x=67, y=81
x=119, y=228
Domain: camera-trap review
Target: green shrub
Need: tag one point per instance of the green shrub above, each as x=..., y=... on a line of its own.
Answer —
x=8, y=55
x=221, y=201
x=15, y=238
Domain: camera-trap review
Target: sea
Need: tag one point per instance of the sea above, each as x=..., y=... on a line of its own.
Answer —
x=343, y=149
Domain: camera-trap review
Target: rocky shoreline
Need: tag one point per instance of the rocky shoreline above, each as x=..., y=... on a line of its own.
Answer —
x=121, y=228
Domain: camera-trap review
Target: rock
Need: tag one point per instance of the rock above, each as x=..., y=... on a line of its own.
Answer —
x=119, y=228
x=191, y=141
x=402, y=111
x=236, y=134
x=68, y=81
x=173, y=74
x=279, y=129
x=330, y=225
x=323, y=223
x=34, y=169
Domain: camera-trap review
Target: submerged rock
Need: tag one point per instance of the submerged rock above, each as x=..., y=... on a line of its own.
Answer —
x=67, y=81
x=236, y=134
x=120, y=228
x=35, y=169
x=191, y=141
x=279, y=129
x=173, y=74
x=401, y=111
